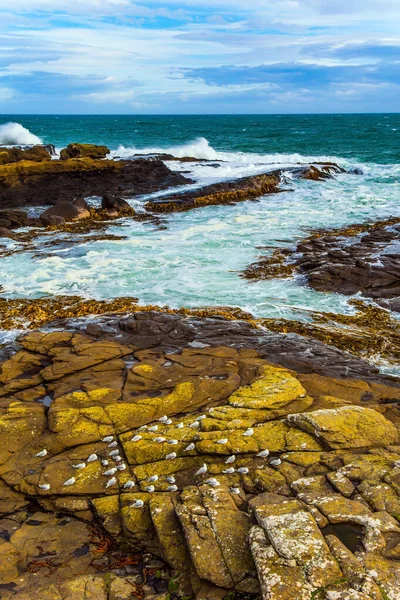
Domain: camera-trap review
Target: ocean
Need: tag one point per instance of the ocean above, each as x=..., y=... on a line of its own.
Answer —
x=196, y=261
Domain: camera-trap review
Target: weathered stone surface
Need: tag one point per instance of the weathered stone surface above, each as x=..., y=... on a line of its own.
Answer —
x=347, y=427
x=208, y=439
x=13, y=155
x=84, y=151
x=56, y=181
x=215, y=527
x=296, y=537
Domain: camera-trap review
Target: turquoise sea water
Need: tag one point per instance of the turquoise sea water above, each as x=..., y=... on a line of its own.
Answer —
x=366, y=138
x=196, y=261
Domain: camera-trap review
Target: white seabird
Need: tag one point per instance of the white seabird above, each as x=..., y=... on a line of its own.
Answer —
x=173, y=442
x=70, y=481
x=171, y=479
x=150, y=488
x=229, y=471
x=235, y=490
x=172, y=488
x=108, y=438
x=92, y=458
x=113, y=453
x=81, y=465
x=213, y=482
x=129, y=485
x=44, y=486
x=111, y=482
x=110, y=471
x=202, y=470
x=230, y=460
x=223, y=441
x=137, y=504
x=263, y=453
x=275, y=462
x=153, y=428
x=121, y=467
x=163, y=419
x=168, y=422
x=171, y=456
x=153, y=478
x=179, y=426
x=41, y=454
x=136, y=438
x=249, y=432
x=159, y=440
x=112, y=444
x=190, y=447
x=242, y=470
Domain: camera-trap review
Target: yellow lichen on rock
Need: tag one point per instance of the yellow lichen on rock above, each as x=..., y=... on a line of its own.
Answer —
x=347, y=427
x=274, y=389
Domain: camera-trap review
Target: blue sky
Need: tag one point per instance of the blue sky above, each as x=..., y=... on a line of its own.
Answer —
x=202, y=56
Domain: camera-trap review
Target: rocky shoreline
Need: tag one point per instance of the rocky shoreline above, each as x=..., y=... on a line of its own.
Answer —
x=136, y=448
x=164, y=454
x=360, y=258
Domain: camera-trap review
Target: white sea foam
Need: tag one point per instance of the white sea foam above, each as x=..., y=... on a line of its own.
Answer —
x=201, y=148
x=15, y=133
x=198, y=148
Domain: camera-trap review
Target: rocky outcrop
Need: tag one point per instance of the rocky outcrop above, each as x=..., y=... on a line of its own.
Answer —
x=246, y=188
x=35, y=154
x=237, y=190
x=84, y=151
x=116, y=206
x=360, y=258
x=62, y=212
x=164, y=440
x=57, y=181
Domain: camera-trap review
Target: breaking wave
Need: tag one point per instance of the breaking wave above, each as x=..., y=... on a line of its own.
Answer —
x=15, y=133
x=198, y=148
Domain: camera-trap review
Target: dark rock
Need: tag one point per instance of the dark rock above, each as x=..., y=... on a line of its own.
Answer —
x=51, y=149
x=57, y=181
x=84, y=151
x=4, y=232
x=53, y=220
x=81, y=203
x=119, y=205
x=65, y=210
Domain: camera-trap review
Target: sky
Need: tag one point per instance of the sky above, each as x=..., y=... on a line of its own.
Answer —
x=199, y=57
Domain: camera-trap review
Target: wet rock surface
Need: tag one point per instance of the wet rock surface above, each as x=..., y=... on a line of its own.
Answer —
x=33, y=183
x=238, y=190
x=360, y=258
x=161, y=455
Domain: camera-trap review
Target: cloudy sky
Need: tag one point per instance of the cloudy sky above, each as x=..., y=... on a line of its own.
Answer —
x=199, y=56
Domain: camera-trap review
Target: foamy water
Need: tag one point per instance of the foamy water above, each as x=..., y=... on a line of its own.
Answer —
x=197, y=260
x=15, y=133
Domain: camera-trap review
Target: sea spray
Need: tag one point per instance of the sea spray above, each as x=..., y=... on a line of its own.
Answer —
x=15, y=133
